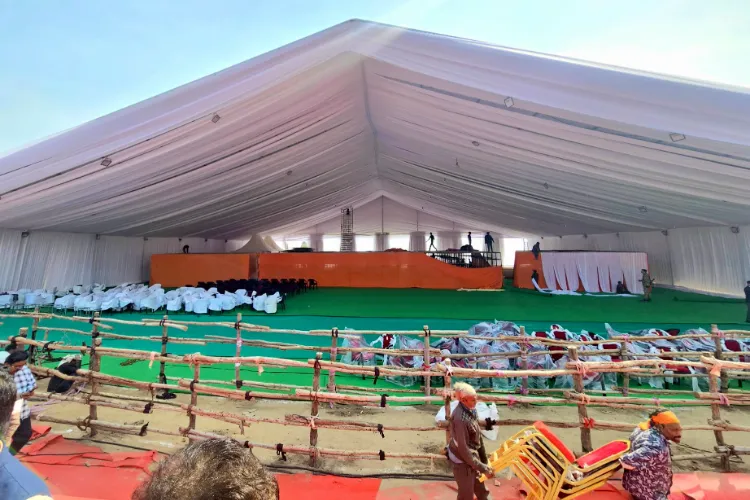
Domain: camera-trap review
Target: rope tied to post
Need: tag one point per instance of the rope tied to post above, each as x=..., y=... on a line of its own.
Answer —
x=84, y=424
x=524, y=391
x=248, y=396
x=588, y=423
x=581, y=368
x=236, y=325
x=335, y=332
x=724, y=400
x=148, y=408
x=238, y=383
x=164, y=340
x=380, y=430
x=312, y=422
x=260, y=367
x=657, y=402
x=280, y=451
x=162, y=321
x=381, y=455
x=377, y=375
x=316, y=365
x=192, y=385
x=144, y=427
x=383, y=401
x=511, y=401
x=716, y=369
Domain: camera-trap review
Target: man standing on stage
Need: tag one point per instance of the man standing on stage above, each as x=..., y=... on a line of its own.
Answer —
x=432, y=242
x=488, y=241
x=470, y=239
x=466, y=446
x=747, y=302
x=648, y=284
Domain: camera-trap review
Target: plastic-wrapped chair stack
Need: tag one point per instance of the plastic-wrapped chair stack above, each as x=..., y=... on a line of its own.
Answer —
x=357, y=358
x=404, y=342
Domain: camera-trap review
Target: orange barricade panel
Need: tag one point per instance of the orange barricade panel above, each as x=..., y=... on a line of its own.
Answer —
x=377, y=270
x=176, y=270
x=524, y=267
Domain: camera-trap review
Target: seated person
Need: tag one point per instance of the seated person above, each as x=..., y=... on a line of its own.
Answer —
x=67, y=366
x=621, y=288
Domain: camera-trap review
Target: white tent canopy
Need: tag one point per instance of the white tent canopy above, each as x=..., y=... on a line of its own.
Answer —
x=256, y=244
x=478, y=135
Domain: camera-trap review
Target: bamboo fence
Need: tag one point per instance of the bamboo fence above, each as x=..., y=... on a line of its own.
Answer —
x=718, y=370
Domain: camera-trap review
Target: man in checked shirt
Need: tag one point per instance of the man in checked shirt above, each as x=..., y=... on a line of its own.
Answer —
x=25, y=387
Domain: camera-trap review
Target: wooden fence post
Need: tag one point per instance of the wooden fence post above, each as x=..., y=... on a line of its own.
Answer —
x=626, y=375
x=583, y=415
x=426, y=362
x=94, y=366
x=447, y=378
x=713, y=387
x=164, y=342
x=238, y=351
x=334, y=352
x=34, y=328
x=524, y=361
x=314, y=410
x=194, y=396
x=719, y=354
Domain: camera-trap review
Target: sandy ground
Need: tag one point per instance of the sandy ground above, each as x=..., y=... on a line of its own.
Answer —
x=397, y=441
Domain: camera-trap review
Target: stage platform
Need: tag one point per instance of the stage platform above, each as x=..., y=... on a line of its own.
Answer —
x=330, y=269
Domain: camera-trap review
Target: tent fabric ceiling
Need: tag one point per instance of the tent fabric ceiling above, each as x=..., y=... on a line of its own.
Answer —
x=475, y=134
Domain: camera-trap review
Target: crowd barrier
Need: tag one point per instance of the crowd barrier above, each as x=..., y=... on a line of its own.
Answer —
x=718, y=370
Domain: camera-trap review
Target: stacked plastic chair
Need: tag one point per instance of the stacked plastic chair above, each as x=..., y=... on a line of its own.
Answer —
x=549, y=470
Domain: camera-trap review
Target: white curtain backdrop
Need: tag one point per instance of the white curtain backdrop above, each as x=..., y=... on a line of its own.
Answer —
x=381, y=242
x=569, y=262
x=118, y=259
x=631, y=265
x=316, y=242
x=49, y=260
x=549, y=263
x=448, y=239
x=602, y=263
x=417, y=241
x=587, y=264
x=10, y=247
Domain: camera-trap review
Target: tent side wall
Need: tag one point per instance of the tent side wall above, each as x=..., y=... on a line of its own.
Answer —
x=48, y=259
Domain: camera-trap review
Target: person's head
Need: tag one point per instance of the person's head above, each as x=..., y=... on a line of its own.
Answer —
x=16, y=360
x=644, y=271
x=619, y=282
x=7, y=398
x=667, y=423
x=204, y=470
x=748, y=282
x=465, y=394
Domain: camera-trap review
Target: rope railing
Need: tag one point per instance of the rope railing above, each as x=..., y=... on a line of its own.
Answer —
x=717, y=369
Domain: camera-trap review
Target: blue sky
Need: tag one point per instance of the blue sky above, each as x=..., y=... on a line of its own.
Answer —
x=64, y=62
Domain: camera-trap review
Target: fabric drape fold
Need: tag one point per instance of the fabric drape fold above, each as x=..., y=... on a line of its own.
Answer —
x=417, y=241
x=381, y=242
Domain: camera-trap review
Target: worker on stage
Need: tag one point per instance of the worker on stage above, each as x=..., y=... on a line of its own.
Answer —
x=648, y=465
x=466, y=449
x=648, y=284
x=432, y=242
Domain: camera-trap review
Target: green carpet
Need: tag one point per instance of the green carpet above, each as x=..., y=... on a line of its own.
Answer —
x=382, y=309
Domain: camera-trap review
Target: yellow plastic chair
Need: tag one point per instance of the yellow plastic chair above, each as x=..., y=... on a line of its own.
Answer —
x=549, y=470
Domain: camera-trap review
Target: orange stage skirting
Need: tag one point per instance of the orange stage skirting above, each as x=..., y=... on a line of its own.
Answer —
x=349, y=270
x=176, y=270
x=377, y=270
x=524, y=266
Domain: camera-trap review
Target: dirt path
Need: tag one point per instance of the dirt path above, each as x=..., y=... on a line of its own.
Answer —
x=427, y=441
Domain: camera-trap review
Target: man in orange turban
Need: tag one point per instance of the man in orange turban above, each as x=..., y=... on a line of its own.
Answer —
x=648, y=465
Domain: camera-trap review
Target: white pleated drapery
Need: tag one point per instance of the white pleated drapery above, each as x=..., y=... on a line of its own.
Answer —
x=596, y=271
x=447, y=240
x=60, y=260
x=316, y=242
x=417, y=241
x=381, y=242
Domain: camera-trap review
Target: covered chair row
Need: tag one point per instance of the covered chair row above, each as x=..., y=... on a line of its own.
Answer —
x=549, y=470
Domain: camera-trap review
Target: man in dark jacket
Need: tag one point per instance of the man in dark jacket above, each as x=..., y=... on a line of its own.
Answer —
x=747, y=301
x=466, y=446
